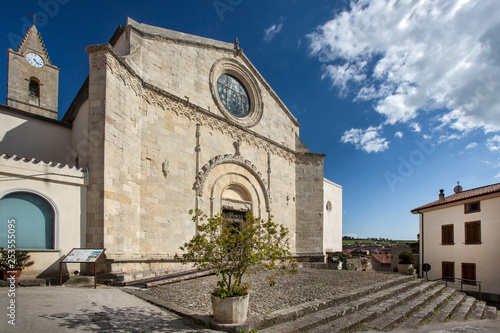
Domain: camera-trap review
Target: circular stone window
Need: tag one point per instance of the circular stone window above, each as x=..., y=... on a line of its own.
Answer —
x=236, y=92
x=233, y=95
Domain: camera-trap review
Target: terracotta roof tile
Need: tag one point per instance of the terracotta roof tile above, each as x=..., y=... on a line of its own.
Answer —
x=383, y=258
x=475, y=192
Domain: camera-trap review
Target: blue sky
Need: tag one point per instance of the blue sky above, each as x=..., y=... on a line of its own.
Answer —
x=402, y=96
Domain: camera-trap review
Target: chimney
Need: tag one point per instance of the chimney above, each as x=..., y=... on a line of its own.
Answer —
x=441, y=195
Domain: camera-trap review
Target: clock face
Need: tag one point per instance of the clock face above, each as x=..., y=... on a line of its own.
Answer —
x=35, y=60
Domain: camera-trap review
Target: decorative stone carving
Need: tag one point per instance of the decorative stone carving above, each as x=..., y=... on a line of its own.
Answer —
x=157, y=97
x=229, y=158
x=165, y=168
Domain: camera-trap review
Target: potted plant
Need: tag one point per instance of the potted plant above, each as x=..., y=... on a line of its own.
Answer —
x=337, y=260
x=406, y=261
x=232, y=250
x=13, y=262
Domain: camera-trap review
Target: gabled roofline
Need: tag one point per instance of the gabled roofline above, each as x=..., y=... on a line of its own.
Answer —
x=484, y=192
x=152, y=32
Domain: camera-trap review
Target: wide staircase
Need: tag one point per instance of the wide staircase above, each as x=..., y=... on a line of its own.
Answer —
x=408, y=304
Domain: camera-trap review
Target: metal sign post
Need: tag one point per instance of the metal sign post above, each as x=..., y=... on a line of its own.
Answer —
x=426, y=268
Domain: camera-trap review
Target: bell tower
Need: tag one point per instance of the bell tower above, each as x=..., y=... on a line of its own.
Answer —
x=33, y=82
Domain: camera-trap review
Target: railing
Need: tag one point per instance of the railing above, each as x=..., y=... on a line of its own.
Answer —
x=471, y=286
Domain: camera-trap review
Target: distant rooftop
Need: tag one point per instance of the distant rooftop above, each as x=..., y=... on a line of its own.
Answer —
x=383, y=258
x=472, y=193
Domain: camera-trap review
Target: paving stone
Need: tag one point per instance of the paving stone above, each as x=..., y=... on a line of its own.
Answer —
x=292, y=290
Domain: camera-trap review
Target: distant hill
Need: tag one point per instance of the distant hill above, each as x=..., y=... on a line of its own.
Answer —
x=371, y=241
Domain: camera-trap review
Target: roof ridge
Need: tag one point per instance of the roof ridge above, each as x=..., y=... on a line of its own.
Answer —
x=40, y=162
x=463, y=195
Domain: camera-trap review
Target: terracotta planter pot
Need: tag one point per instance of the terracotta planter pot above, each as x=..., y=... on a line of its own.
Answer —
x=404, y=268
x=231, y=310
x=9, y=272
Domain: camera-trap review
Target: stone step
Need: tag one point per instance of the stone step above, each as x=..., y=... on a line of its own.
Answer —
x=407, y=307
x=477, y=311
x=464, y=309
x=291, y=315
x=325, y=316
x=393, y=302
x=447, y=310
x=490, y=312
x=428, y=310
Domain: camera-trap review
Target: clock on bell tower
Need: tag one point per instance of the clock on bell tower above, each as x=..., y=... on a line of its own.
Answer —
x=33, y=82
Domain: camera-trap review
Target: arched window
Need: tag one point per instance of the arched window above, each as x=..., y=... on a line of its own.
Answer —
x=34, y=87
x=31, y=216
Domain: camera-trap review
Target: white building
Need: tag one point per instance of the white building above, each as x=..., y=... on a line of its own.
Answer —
x=459, y=235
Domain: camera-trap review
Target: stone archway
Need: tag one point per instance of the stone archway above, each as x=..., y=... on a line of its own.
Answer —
x=230, y=182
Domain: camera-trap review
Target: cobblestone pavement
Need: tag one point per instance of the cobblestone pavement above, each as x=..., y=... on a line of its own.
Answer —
x=290, y=290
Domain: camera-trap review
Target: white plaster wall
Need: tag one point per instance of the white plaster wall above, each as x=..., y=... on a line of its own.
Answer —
x=34, y=138
x=332, y=218
x=67, y=190
x=484, y=255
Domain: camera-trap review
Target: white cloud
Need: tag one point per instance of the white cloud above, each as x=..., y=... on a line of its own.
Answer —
x=416, y=127
x=398, y=134
x=412, y=58
x=273, y=30
x=368, y=140
x=493, y=143
x=472, y=145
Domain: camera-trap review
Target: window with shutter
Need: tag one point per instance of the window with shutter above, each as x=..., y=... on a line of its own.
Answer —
x=448, y=270
x=447, y=235
x=473, y=232
x=469, y=273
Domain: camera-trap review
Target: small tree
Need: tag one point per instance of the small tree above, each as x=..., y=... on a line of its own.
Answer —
x=406, y=258
x=233, y=250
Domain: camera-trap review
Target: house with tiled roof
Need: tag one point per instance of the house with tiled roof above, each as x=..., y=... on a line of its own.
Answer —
x=459, y=237
x=381, y=262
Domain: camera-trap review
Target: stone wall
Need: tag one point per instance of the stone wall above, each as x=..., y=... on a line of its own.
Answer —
x=309, y=203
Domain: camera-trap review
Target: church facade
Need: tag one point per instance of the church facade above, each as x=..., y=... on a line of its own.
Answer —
x=165, y=122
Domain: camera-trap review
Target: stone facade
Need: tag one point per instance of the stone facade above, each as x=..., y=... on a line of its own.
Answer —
x=150, y=126
x=44, y=98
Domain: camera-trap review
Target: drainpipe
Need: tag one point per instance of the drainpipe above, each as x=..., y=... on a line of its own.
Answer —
x=422, y=246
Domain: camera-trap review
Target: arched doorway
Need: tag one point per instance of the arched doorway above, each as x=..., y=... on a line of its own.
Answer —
x=235, y=203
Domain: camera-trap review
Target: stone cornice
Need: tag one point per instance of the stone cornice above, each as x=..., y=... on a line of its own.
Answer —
x=181, y=107
x=310, y=158
x=162, y=34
